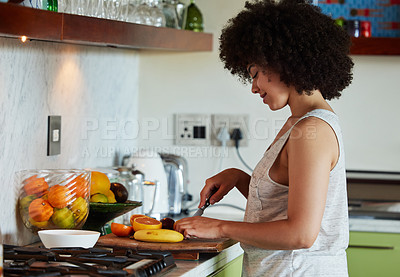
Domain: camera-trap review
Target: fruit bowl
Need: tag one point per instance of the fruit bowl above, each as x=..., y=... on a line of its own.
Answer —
x=101, y=213
x=53, y=199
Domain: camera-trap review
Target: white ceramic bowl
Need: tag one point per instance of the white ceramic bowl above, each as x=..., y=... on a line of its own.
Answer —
x=60, y=238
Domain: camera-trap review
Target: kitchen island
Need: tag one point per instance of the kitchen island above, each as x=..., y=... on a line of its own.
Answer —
x=228, y=262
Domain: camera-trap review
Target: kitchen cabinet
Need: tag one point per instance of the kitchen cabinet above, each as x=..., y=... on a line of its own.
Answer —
x=231, y=269
x=227, y=263
x=375, y=46
x=373, y=254
x=17, y=21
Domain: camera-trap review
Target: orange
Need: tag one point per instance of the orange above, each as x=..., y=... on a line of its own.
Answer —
x=175, y=224
x=121, y=230
x=34, y=185
x=79, y=187
x=99, y=183
x=144, y=223
x=135, y=216
x=59, y=196
x=40, y=210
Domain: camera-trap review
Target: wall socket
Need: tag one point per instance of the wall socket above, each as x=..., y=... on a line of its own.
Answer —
x=230, y=121
x=192, y=129
x=53, y=135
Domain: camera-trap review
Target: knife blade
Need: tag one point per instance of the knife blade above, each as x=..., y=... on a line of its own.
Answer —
x=200, y=211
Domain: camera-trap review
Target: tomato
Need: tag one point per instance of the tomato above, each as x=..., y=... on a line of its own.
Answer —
x=121, y=230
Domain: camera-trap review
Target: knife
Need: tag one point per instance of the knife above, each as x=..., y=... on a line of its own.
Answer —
x=200, y=211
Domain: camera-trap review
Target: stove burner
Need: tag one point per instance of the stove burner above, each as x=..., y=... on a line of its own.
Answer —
x=38, y=261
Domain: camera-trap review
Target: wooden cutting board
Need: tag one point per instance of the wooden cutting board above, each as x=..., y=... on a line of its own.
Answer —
x=186, y=249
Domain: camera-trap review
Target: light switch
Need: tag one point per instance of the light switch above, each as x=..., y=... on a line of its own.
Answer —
x=54, y=135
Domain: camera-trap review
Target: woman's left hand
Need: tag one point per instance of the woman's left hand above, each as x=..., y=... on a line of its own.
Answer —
x=200, y=227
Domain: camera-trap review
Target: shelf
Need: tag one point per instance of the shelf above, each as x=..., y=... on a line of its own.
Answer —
x=375, y=46
x=17, y=21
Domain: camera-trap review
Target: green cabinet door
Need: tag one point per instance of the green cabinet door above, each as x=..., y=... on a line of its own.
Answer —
x=373, y=254
x=231, y=269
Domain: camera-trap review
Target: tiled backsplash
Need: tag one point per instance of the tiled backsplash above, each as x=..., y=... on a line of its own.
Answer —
x=95, y=90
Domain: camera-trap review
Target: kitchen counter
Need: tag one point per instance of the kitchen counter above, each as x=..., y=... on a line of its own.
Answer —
x=374, y=225
x=207, y=264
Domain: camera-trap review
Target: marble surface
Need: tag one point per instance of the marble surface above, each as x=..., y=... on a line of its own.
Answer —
x=94, y=89
x=207, y=264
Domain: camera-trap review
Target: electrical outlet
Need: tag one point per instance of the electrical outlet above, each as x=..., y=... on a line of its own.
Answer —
x=231, y=122
x=192, y=129
x=54, y=135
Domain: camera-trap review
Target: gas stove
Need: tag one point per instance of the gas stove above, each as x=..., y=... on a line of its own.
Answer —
x=39, y=261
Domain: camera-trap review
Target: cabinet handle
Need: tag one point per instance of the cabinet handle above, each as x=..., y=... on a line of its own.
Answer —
x=372, y=247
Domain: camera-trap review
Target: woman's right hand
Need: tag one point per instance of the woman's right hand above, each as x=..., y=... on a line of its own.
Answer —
x=222, y=183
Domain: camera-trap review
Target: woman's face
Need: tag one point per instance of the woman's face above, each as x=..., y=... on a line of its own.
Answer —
x=268, y=85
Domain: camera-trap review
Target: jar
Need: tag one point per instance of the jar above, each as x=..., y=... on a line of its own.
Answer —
x=133, y=183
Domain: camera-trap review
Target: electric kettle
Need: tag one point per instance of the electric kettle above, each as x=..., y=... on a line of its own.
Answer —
x=155, y=190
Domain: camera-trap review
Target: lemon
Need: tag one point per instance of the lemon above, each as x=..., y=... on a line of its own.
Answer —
x=39, y=224
x=63, y=218
x=110, y=196
x=99, y=198
x=79, y=208
x=26, y=201
x=99, y=183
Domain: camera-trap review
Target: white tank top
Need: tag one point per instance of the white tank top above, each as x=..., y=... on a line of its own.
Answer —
x=267, y=201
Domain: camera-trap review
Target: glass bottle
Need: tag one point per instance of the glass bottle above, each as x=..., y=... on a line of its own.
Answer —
x=194, y=18
x=52, y=5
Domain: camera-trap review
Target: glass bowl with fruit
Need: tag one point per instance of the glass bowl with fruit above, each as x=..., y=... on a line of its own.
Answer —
x=53, y=199
x=108, y=200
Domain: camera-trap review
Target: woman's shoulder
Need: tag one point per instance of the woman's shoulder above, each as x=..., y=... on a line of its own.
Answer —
x=317, y=126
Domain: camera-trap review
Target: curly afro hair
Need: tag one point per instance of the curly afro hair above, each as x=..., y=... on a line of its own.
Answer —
x=292, y=38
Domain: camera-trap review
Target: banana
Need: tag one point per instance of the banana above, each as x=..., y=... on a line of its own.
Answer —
x=158, y=235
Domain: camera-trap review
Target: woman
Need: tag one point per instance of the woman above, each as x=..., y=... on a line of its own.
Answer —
x=296, y=220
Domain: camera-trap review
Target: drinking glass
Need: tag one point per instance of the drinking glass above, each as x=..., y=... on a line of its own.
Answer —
x=141, y=14
x=112, y=9
x=170, y=13
x=94, y=8
x=123, y=10
x=64, y=6
x=156, y=13
x=77, y=7
x=133, y=4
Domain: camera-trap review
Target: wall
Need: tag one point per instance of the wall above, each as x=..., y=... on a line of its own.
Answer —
x=197, y=83
x=369, y=114
x=95, y=90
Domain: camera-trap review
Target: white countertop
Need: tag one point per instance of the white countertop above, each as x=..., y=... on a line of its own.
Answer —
x=207, y=264
x=374, y=225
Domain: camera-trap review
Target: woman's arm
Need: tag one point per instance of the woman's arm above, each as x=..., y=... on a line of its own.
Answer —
x=223, y=182
x=311, y=156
